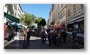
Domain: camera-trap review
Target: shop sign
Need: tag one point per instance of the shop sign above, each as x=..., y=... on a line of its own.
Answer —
x=76, y=16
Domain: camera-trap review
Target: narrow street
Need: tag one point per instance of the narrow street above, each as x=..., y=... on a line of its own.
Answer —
x=62, y=25
x=35, y=43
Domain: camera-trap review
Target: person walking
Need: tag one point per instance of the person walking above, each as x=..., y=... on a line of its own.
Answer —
x=13, y=33
x=61, y=34
x=43, y=35
x=74, y=34
x=10, y=33
x=24, y=32
x=24, y=39
x=55, y=37
x=50, y=37
x=64, y=33
x=58, y=38
x=46, y=34
x=28, y=36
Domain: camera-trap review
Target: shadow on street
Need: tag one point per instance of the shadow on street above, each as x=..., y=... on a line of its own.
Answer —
x=36, y=44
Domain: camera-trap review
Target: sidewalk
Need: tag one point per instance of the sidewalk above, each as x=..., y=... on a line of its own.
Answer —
x=12, y=44
x=7, y=42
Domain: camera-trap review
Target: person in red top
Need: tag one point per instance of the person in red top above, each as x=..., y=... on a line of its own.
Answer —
x=28, y=37
x=26, y=30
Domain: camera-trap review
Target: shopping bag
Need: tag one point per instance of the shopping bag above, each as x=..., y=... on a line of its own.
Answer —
x=47, y=42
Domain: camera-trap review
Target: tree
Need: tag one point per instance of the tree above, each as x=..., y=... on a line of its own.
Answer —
x=40, y=21
x=22, y=19
x=28, y=19
x=43, y=22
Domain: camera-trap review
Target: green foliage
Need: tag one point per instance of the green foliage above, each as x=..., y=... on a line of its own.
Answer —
x=43, y=22
x=40, y=21
x=22, y=18
x=28, y=19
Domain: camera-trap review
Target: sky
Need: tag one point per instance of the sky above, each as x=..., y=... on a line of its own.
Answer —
x=39, y=10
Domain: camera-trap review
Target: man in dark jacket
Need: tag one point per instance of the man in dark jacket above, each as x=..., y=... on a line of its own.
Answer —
x=43, y=36
x=64, y=34
x=74, y=34
x=28, y=36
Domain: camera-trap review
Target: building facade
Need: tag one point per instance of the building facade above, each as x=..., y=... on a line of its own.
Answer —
x=12, y=13
x=53, y=15
x=51, y=19
x=62, y=14
x=14, y=10
x=75, y=16
x=70, y=15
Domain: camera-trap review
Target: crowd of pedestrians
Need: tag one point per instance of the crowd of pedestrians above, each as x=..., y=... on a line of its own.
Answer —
x=48, y=36
x=53, y=36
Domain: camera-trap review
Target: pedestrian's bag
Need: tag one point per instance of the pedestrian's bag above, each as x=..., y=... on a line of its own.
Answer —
x=47, y=42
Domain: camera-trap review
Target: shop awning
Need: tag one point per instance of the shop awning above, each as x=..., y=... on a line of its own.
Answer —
x=78, y=20
x=12, y=18
x=63, y=23
x=56, y=27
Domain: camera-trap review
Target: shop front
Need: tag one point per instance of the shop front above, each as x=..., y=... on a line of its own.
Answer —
x=76, y=24
x=7, y=21
x=63, y=23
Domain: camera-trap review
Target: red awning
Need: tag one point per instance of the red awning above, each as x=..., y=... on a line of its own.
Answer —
x=57, y=27
x=63, y=23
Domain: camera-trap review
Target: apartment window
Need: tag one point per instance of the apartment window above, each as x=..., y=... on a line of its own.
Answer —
x=68, y=12
x=74, y=8
x=60, y=16
x=19, y=10
x=6, y=5
x=11, y=12
x=15, y=14
x=61, y=5
x=82, y=6
x=15, y=6
x=63, y=13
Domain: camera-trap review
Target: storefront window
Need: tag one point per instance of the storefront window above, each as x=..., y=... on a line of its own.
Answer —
x=76, y=26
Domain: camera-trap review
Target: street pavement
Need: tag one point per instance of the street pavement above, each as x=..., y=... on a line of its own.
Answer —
x=35, y=43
